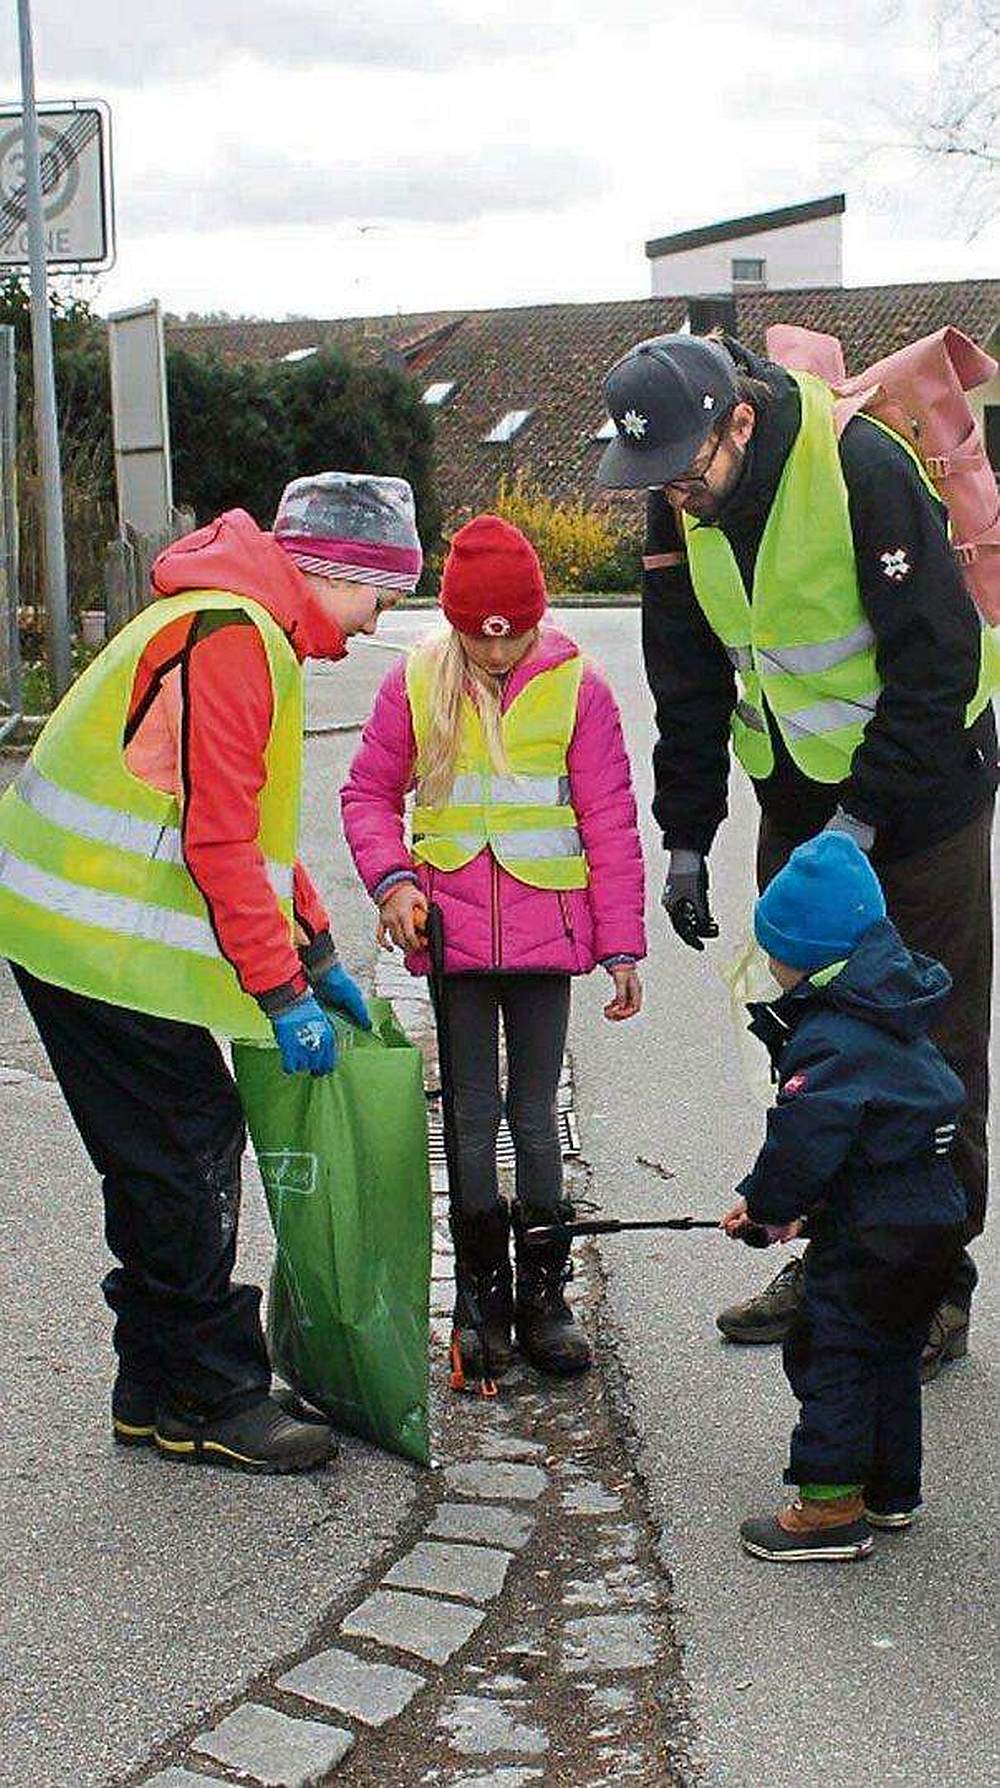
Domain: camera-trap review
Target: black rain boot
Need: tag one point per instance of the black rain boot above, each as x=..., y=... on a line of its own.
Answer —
x=484, y=1294
x=547, y=1332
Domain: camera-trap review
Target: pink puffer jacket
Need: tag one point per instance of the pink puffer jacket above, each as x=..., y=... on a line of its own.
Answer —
x=492, y=921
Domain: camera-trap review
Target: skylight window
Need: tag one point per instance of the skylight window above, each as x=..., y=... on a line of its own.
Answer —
x=606, y=432
x=299, y=354
x=508, y=426
x=438, y=393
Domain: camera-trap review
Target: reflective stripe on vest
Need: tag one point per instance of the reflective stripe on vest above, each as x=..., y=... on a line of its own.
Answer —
x=111, y=912
x=94, y=892
x=513, y=791
x=524, y=815
x=125, y=831
x=803, y=649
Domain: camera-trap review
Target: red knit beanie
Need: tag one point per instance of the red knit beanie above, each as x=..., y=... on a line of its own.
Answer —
x=492, y=581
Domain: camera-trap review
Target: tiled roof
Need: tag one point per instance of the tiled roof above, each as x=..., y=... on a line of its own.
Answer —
x=551, y=359
x=757, y=225
x=252, y=340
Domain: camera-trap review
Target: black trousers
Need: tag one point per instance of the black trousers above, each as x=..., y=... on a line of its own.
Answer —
x=162, y=1122
x=941, y=901
x=535, y=1010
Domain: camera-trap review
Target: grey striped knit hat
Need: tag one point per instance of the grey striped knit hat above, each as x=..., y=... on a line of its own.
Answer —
x=352, y=525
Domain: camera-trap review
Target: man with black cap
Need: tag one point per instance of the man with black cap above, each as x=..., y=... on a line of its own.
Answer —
x=800, y=596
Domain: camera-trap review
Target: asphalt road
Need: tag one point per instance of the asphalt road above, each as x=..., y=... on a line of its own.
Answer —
x=882, y=1672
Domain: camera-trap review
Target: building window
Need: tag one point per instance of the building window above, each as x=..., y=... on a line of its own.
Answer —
x=508, y=426
x=299, y=354
x=606, y=432
x=747, y=271
x=438, y=393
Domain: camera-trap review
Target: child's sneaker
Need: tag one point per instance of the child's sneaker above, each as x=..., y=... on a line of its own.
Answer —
x=890, y=1517
x=833, y=1530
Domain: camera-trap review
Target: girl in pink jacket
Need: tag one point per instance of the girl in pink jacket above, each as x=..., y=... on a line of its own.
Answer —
x=525, y=836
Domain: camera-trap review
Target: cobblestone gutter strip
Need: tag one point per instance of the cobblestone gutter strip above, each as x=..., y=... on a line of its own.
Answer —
x=520, y=1635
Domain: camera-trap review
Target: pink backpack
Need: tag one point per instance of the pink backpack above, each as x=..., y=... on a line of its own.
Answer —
x=920, y=393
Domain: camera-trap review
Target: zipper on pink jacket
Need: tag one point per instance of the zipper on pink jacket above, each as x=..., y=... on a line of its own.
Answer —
x=567, y=916
x=497, y=918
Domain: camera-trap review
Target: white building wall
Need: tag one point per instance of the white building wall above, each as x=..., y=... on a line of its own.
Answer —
x=806, y=254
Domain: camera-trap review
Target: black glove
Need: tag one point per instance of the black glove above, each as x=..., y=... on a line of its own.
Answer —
x=685, y=898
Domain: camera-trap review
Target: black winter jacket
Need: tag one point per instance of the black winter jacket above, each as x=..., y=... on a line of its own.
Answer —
x=919, y=774
x=866, y=1104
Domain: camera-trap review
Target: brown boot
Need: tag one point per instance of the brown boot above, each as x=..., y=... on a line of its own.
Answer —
x=833, y=1529
x=947, y=1340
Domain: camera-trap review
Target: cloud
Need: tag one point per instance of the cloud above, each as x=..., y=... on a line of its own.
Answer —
x=116, y=44
x=258, y=192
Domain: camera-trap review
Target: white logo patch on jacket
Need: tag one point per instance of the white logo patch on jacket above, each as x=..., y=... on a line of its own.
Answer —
x=895, y=565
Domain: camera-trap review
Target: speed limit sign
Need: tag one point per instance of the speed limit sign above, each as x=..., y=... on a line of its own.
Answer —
x=75, y=144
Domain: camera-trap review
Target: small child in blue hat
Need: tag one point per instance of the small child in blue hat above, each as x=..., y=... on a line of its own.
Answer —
x=856, y=1152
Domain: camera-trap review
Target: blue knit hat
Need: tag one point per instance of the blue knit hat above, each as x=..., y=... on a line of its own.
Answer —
x=820, y=905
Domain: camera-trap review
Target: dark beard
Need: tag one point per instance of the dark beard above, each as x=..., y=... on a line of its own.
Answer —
x=707, y=505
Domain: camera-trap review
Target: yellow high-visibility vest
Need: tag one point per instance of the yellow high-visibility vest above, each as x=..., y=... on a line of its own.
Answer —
x=525, y=817
x=94, y=892
x=804, y=644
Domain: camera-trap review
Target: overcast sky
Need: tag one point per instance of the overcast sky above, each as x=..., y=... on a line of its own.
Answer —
x=327, y=158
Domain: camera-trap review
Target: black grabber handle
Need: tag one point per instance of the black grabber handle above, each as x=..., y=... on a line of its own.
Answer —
x=435, y=950
x=753, y=1235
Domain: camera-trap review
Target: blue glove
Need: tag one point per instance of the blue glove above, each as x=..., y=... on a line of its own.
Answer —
x=337, y=989
x=305, y=1037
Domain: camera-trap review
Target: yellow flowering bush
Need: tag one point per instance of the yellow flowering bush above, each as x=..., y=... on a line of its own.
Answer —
x=580, y=548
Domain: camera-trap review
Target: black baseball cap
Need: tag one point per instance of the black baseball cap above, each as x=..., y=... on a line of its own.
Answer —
x=664, y=398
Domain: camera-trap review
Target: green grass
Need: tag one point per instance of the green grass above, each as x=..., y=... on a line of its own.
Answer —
x=36, y=685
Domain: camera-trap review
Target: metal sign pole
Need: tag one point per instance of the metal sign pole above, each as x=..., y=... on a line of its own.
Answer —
x=57, y=613
x=11, y=646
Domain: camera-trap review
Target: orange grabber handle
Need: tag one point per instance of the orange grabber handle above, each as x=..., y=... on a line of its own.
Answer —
x=420, y=921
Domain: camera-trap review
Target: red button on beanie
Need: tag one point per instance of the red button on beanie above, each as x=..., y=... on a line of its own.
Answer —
x=492, y=582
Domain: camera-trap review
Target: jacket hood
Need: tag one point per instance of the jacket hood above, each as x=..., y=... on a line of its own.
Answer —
x=233, y=554
x=882, y=983
x=551, y=648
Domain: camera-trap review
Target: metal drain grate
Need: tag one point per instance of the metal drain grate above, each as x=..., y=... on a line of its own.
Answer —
x=569, y=1138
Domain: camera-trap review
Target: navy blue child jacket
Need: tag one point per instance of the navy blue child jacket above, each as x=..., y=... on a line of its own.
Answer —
x=866, y=1104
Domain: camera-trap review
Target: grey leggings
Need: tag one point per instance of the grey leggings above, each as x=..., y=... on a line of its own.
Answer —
x=535, y=1012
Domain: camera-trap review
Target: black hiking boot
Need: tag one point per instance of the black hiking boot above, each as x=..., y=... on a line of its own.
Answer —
x=547, y=1332
x=768, y=1316
x=947, y=1340
x=133, y=1410
x=134, y=1400
x=481, y=1348
x=263, y=1438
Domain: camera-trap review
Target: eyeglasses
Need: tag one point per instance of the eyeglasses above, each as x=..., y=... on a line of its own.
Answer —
x=691, y=479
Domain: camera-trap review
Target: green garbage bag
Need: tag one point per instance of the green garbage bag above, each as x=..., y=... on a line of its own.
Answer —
x=345, y=1170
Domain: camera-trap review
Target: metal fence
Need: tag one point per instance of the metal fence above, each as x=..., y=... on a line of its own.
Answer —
x=128, y=564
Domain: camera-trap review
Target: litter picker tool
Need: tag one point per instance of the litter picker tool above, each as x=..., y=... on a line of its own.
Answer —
x=435, y=948
x=753, y=1234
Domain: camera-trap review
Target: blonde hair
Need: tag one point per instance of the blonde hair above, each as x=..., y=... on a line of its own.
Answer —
x=454, y=676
